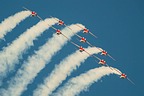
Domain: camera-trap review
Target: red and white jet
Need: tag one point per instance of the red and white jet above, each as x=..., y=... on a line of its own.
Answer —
x=33, y=13
x=124, y=76
x=58, y=32
x=83, y=40
x=102, y=62
x=105, y=53
x=60, y=22
x=81, y=49
x=85, y=30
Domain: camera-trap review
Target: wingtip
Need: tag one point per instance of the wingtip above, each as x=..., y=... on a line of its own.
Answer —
x=130, y=81
x=24, y=7
x=96, y=37
x=111, y=57
x=114, y=59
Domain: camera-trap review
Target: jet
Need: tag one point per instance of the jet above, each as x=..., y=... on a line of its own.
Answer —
x=81, y=49
x=105, y=53
x=33, y=13
x=83, y=40
x=102, y=62
x=60, y=22
x=124, y=76
x=85, y=30
x=58, y=32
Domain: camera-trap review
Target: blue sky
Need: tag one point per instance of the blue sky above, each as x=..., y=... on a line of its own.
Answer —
x=119, y=25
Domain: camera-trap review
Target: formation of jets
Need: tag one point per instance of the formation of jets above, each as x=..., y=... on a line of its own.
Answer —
x=83, y=40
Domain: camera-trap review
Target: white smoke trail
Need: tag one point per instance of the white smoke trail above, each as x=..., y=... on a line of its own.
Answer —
x=75, y=85
x=11, y=22
x=61, y=71
x=37, y=62
x=10, y=55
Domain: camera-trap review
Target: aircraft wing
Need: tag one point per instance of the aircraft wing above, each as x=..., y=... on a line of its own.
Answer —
x=54, y=18
x=89, y=43
x=93, y=34
x=39, y=17
x=111, y=57
x=109, y=66
x=117, y=70
x=131, y=81
x=27, y=9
